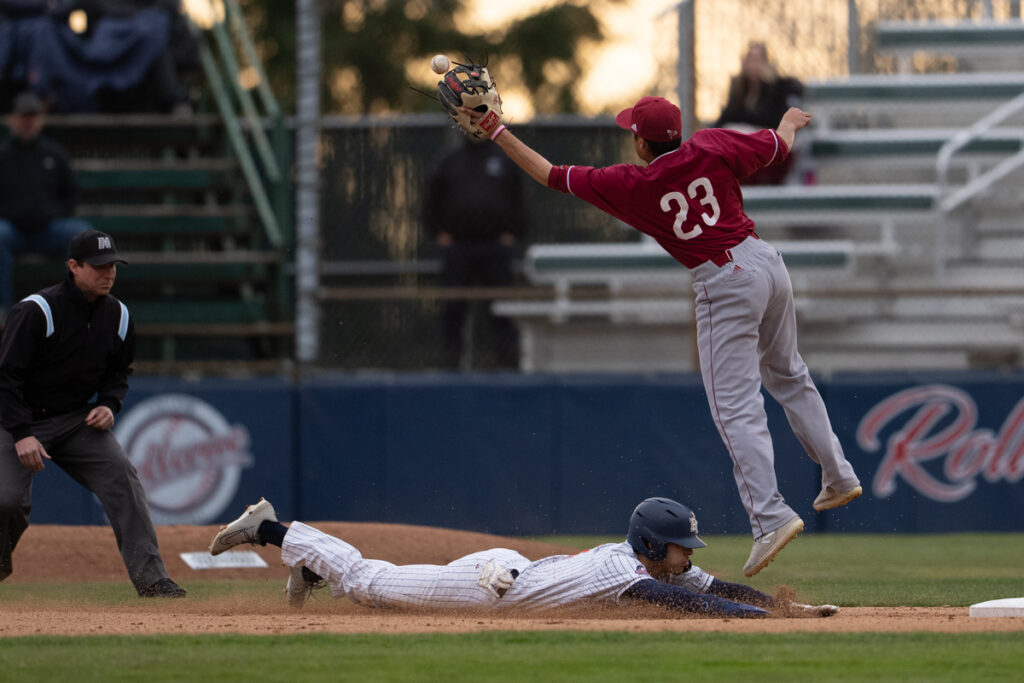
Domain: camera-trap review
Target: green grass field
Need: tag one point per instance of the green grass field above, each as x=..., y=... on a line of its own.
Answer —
x=850, y=570
x=874, y=569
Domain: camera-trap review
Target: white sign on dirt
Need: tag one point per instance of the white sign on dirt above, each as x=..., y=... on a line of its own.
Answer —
x=230, y=560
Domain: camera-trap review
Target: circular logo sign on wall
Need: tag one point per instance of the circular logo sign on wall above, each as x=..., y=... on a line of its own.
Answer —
x=188, y=456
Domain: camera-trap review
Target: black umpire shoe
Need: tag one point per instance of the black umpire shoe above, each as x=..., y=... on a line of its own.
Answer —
x=164, y=588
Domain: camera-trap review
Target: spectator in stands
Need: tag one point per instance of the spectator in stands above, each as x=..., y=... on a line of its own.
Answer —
x=162, y=88
x=475, y=208
x=758, y=97
x=37, y=193
x=127, y=59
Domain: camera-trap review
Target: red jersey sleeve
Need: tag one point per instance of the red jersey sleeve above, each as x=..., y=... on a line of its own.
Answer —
x=743, y=153
x=606, y=188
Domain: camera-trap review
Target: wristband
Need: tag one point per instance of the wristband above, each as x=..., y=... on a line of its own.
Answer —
x=497, y=131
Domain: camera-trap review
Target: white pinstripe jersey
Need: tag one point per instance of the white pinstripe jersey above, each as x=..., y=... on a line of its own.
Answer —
x=601, y=574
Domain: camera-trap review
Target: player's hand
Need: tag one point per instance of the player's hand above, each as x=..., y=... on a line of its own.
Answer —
x=100, y=417
x=31, y=453
x=814, y=610
x=795, y=117
x=496, y=579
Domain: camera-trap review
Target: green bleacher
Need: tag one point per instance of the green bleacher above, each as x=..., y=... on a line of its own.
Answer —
x=874, y=89
x=202, y=219
x=949, y=36
x=857, y=144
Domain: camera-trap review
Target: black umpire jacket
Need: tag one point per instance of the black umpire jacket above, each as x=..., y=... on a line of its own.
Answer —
x=475, y=193
x=58, y=351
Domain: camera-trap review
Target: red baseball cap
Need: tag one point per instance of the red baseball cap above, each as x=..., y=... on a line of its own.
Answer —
x=652, y=118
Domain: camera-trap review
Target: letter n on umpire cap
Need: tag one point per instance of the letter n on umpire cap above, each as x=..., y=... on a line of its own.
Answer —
x=94, y=247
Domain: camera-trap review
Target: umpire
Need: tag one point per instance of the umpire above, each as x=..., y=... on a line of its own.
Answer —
x=62, y=347
x=474, y=206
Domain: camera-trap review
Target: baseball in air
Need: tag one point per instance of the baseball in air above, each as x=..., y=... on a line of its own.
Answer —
x=440, y=64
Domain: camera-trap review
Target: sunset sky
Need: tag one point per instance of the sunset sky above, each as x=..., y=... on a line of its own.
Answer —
x=640, y=39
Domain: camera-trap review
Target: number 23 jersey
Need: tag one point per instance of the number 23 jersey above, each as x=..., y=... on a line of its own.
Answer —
x=689, y=200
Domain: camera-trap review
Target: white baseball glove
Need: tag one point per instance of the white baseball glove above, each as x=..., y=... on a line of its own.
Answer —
x=469, y=86
x=495, y=578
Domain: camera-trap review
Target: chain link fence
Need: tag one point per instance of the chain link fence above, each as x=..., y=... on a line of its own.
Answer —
x=380, y=271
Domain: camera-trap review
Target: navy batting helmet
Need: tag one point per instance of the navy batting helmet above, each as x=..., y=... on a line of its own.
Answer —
x=657, y=522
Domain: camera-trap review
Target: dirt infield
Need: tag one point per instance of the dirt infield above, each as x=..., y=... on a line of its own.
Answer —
x=63, y=554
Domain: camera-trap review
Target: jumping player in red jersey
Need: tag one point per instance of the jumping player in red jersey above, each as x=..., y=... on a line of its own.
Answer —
x=687, y=197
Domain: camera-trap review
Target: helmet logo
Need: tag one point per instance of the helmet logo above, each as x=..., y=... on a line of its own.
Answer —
x=693, y=525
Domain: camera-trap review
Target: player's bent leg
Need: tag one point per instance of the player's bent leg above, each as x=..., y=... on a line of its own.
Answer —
x=378, y=583
x=727, y=322
x=786, y=377
x=374, y=583
x=341, y=565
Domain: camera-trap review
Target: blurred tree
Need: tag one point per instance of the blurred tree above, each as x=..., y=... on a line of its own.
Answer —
x=369, y=47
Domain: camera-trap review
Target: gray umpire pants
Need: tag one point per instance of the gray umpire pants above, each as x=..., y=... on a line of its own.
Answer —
x=94, y=459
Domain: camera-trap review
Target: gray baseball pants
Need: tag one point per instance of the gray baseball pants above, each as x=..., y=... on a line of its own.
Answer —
x=746, y=337
x=94, y=459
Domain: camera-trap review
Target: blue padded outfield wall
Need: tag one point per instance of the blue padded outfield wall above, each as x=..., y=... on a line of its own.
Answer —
x=537, y=454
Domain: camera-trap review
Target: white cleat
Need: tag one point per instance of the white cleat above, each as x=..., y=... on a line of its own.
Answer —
x=830, y=498
x=298, y=588
x=768, y=546
x=245, y=529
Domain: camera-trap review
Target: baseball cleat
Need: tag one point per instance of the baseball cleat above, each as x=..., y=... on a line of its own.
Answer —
x=830, y=498
x=768, y=546
x=245, y=529
x=164, y=588
x=301, y=584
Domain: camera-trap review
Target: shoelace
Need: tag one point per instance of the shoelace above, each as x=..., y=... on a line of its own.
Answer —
x=311, y=586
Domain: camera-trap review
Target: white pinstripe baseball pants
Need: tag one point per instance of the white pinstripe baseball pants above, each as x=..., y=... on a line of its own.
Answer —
x=746, y=336
x=378, y=583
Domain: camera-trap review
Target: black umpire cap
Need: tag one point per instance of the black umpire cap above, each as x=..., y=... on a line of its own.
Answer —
x=94, y=247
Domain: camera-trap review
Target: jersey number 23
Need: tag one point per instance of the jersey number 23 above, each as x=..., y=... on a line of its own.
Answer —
x=701, y=190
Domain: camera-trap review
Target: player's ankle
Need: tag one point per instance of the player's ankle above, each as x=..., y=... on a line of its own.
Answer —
x=272, y=532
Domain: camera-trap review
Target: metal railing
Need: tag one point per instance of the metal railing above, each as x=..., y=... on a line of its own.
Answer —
x=984, y=181
x=952, y=198
x=223, y=73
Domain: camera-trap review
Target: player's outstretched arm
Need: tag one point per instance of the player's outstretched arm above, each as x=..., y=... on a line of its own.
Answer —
x=524, y=156
x=679, y=598
x=793, y=120
x=740, y=593
x=536, y=166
